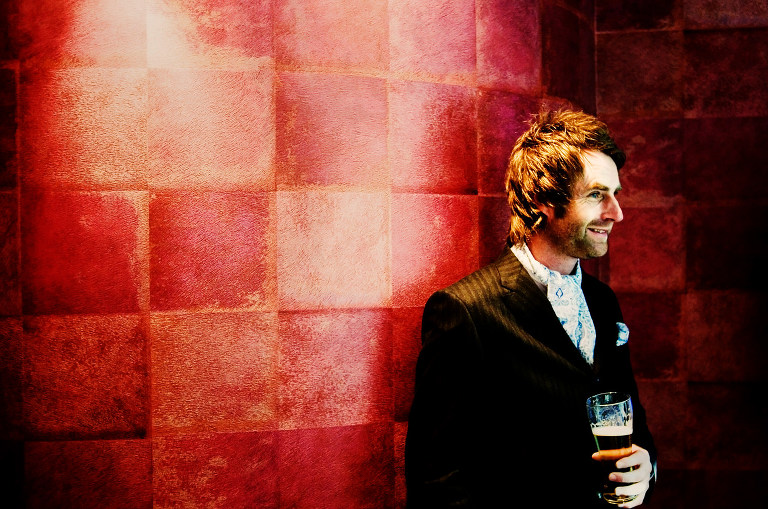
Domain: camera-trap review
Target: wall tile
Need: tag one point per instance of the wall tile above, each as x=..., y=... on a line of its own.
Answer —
x=714, y=489
x=666, y=406
x=84, y=128
x=725, y=158
x=725, y=13
x=332, y=33
x=509, y=45
x=501, y=119
x=432, y=137
x=8, y=159
x=10, y=286
x=568, y=55
x=648, y=250
x=726, y=426
x=433, y=40
x=434, y=244
x=83, y=252
x=10, y=380
x=332, y=250
x=211, y=129
x=653, y=174
x=725, y=73
x=214, y=372
x=640, y=74
x=401, y=430
x=335, y=368
x=337, y=467
x=638, y=14
x=102, y=473
x=725, y=333
x=406, y=338
x=85, y=377
x=494, y=217
x=724, y=247
x=331, y=131
x=229, y=34
x=213, y=251
x=87, y=33
x=216, y=470
x=656, y=340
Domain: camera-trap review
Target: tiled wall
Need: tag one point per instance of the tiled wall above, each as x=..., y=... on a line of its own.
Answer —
x=220, y=220
x=684, y=85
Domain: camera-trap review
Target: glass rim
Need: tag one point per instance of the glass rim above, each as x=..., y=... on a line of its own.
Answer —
x=593, y=401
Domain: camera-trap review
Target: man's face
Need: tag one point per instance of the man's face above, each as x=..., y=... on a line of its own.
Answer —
x=583, y=230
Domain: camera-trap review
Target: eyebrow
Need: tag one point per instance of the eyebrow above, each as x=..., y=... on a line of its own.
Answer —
x=602, y=187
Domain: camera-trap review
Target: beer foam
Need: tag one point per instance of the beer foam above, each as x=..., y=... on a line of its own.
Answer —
x=612, y=431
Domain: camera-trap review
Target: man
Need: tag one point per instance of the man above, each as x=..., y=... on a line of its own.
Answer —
x=512, y=351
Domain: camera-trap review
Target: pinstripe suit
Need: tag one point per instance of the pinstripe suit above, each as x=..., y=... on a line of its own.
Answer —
x=498, y=418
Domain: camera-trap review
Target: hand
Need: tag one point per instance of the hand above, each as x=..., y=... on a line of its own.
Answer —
x=639, y=476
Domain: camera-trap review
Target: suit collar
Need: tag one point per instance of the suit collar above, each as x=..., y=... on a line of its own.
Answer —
x=534, y=313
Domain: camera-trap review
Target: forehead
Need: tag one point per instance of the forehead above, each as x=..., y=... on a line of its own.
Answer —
x=599, y=170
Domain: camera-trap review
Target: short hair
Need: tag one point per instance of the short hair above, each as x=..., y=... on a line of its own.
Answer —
x=546, y=162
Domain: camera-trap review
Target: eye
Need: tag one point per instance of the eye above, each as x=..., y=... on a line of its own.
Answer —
x=595, y=195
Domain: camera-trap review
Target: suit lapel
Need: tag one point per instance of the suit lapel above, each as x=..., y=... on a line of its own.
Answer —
x=534, y=313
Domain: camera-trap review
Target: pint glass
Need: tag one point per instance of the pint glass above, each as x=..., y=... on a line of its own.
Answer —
x=610, y=415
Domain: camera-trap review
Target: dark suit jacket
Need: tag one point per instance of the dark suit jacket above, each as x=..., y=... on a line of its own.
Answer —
x=499, y=414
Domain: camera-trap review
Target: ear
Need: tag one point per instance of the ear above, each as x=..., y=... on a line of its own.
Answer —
x=547, y=210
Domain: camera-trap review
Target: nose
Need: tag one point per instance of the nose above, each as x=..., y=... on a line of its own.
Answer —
x=612, y=210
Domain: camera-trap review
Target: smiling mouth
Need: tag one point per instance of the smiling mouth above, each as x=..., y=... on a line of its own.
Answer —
x=600, y=231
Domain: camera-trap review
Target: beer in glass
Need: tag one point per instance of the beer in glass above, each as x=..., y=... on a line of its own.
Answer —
x=610, y=415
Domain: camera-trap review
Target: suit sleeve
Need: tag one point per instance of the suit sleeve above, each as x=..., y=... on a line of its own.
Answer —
x=440, y=429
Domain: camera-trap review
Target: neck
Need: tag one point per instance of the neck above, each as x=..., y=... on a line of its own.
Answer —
x=550, y=257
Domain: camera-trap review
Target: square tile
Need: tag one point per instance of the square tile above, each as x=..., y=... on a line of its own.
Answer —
x=332, y=34
x=640, y=74
x=335, y=368
x=494, y=219
x=10, y=284
x=653, y=174
x=501, y=119
x=84, y=128
x=331, y=131
x=509, y=45
x=568, y=55
x=337, y=467
x=10, y=379
x=214, y=372
x=215, y=470
x=406, y=338
x=725, y=13
x=433, y=138
x=88, y=33
x=101, y=473
x=663, y=266
x=723, y=253
x=725, y=73
x=615, y=15
x=726, y=426
x=724, y=158
x=229, y=34
x=666, y=406
x=8, y=127
x=434, y=244
x=211, y=129
x=435, y=40
x=725, y=332
x=658, y=344
x=213, y=251
x=85, y=377
x=333, y=250
x=84, y=252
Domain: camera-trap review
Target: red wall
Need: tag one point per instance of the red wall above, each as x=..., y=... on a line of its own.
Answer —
x=684, y=86
x=220, y=220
